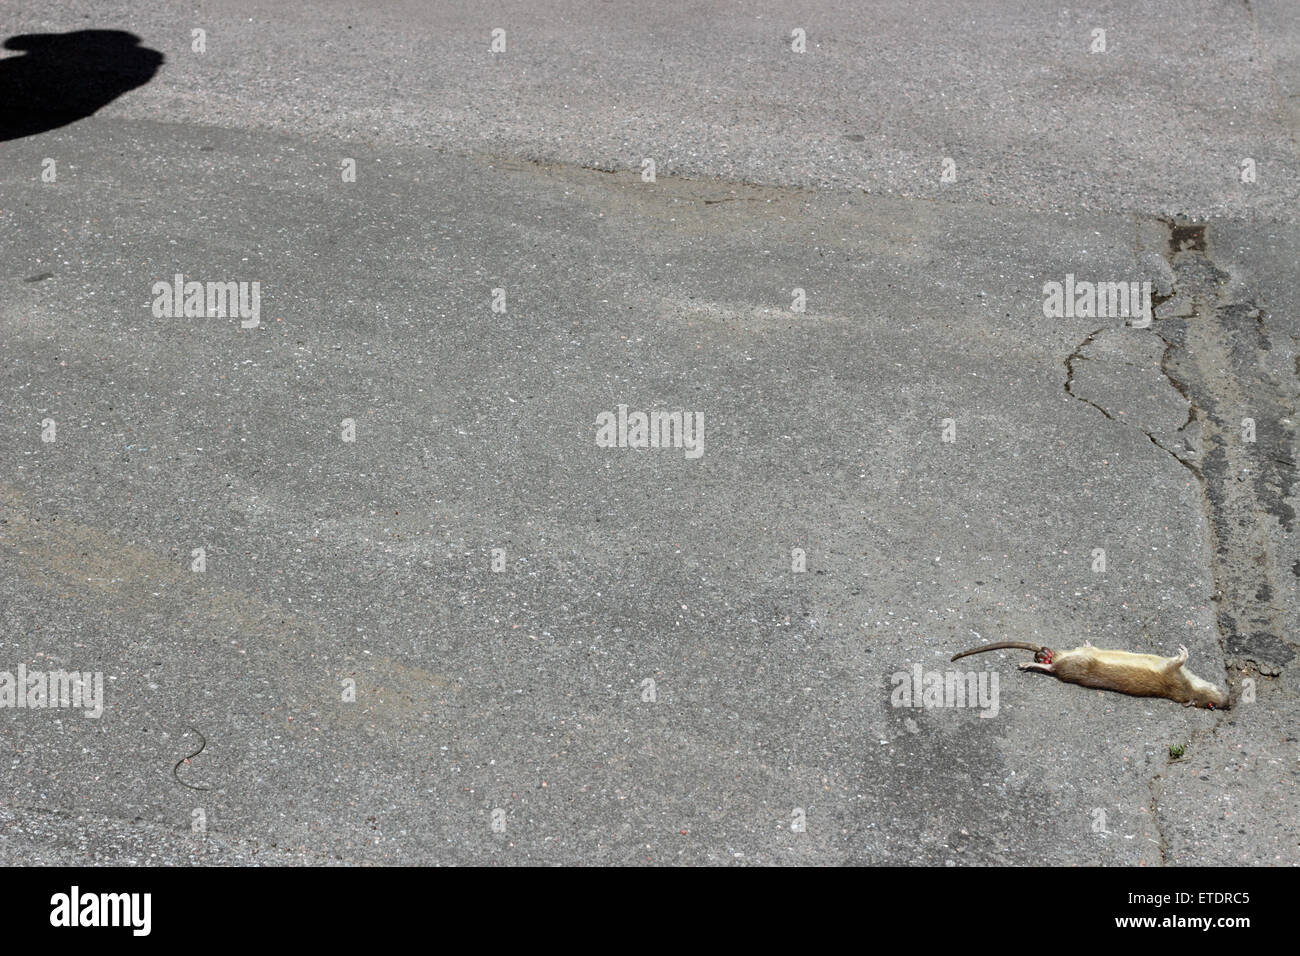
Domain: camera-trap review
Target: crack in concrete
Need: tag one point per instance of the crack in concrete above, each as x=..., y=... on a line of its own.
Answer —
x=1078, y=356
x=1212, y=357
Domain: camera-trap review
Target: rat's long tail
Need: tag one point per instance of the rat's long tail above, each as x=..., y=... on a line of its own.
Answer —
x=1003, y=645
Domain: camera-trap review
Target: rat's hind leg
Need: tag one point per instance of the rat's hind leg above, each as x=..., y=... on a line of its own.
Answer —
x=1034, y=666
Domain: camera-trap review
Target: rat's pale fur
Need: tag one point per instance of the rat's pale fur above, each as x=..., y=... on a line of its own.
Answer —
x=1143, y=675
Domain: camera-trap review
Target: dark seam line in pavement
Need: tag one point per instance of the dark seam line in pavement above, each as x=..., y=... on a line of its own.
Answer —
x=1237, y=598
x=1154, y=806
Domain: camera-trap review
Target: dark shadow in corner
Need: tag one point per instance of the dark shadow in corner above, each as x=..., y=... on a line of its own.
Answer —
x=65, y=77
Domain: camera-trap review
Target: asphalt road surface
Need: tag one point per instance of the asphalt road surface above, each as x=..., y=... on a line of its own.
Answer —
x=366, y=562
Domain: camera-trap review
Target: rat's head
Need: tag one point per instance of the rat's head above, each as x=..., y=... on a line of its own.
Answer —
x=1211, y=698
x=1195, y=692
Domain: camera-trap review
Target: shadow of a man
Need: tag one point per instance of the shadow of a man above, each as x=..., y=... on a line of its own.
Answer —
x=65, y=77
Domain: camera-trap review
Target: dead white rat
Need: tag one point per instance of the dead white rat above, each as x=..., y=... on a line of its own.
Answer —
x=1142, y=675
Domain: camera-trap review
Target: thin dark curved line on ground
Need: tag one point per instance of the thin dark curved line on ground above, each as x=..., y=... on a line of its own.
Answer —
x=203, y=744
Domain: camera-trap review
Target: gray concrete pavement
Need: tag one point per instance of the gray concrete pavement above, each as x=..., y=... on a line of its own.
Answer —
x=647, y=680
